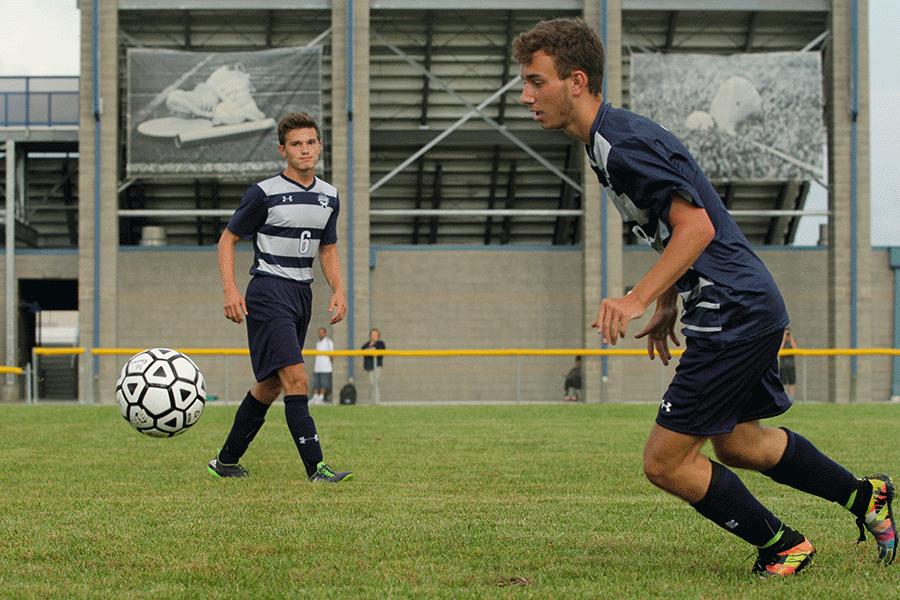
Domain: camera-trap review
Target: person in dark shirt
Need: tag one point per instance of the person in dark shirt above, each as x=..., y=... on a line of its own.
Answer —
x=373, y=364
x=732, y=312
x=572, y=384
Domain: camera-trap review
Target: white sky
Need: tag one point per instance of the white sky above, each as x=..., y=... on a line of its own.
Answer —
x=42, y=37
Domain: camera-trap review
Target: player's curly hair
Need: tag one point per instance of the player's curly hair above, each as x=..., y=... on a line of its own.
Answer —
x=296, y=121
x=571, y=43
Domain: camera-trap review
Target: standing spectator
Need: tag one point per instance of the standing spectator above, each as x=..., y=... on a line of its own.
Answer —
x=372, y=364
x=322, y=369
x=573, y=382
x=786, y=364
x=291, y=218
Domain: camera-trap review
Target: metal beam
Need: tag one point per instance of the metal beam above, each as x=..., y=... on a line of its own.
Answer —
x=441, y=136
x=779, y=225
x=492, y=194
x=670, y=30
x=476, y=212
x=426, y=88
x=10, y=236
x=435, y=204
x=478, y=111
x=751, y=31
x=575, y=5
x=404, y=138
x=391, y=212
x=510, y=201
x=566, y=201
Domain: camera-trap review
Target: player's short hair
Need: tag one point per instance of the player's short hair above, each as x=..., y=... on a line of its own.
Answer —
x=571, y=44
x=296, y=121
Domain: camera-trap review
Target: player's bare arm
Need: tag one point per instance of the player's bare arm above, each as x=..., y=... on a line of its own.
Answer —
x=235, y=307
x=661, y=327
x=692, y=231
x=331, y=267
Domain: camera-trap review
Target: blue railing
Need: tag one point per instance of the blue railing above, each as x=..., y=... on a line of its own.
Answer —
x=38, y=101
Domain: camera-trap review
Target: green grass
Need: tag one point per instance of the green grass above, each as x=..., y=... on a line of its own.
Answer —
x=449, y=502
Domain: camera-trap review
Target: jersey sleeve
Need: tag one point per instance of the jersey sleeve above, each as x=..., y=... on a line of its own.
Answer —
x=250, y=214
x=651, y=172
x=329, y=233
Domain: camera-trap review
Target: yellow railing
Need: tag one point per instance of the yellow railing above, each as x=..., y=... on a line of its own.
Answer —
x=32, y=370
x=457, y=352
x=473, y=352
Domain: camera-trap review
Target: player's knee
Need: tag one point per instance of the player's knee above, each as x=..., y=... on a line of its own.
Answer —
x=657, y=472
x=730, y=457
x=267, y=391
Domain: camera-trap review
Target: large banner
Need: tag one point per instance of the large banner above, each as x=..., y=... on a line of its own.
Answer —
x=744, y=116
x=192, y=113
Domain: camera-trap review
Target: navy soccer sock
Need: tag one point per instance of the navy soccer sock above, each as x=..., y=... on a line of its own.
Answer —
x=805, y=468
x=303, y=430
x=248, y=419
x=731, y=506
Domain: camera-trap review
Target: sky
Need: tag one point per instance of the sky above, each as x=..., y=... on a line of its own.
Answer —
x=42, y=38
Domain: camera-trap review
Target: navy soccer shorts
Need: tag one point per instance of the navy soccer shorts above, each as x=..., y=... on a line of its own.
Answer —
x=278, y=317
x=715, y=389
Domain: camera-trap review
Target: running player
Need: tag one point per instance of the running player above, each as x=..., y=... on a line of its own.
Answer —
x=733, y=315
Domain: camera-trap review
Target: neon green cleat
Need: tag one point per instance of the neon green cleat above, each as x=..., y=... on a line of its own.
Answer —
x=218, y=469
x=326, y=473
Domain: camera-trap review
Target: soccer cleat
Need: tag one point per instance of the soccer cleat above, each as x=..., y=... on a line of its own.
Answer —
x=233, y=87
x=326, y=473
x=781, y=564
x=218, y=469
x=879, y=519
x=199, y=102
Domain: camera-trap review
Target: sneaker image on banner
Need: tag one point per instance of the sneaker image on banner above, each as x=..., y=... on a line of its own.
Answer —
x=237, y=104
x=220, y=107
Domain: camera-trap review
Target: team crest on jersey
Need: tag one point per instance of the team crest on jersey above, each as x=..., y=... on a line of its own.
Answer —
x=323, y=200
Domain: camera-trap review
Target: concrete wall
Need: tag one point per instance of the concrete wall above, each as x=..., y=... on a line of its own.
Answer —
x=429, y=299
x=432, y=299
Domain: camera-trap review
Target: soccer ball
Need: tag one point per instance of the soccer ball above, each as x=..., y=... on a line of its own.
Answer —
x=161, y=392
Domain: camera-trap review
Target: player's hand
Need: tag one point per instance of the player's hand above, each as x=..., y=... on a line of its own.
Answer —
x=613, y=316
x=659, y=331
x=235, y=307
x=337, y=306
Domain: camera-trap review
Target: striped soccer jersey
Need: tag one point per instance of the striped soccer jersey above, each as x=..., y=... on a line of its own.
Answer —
x=287, y=223
x=728, y=294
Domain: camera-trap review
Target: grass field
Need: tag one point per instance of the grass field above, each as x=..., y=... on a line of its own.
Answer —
x=449, y=502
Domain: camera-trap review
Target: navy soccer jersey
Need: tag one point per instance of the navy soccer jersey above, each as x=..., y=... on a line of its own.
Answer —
x=287, y=222
x=728, y=294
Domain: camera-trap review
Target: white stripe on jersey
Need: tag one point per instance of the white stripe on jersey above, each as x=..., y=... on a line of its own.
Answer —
x=288, y=215
x=712, y=305
x=695, y=292
x=305, y=274
x=284, y=246
x=705, y=329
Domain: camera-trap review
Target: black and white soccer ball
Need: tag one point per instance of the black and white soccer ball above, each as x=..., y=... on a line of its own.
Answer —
x=161, y=392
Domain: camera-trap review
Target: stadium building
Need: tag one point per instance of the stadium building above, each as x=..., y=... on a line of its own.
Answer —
x=464, y=225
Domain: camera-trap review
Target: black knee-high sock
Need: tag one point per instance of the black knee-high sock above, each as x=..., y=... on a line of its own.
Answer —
x=805, y=468
x=303, y=430
x=731, y=506
x=248, y=419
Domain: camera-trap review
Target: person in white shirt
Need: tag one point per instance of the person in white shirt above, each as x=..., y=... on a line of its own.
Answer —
x=322, y=369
